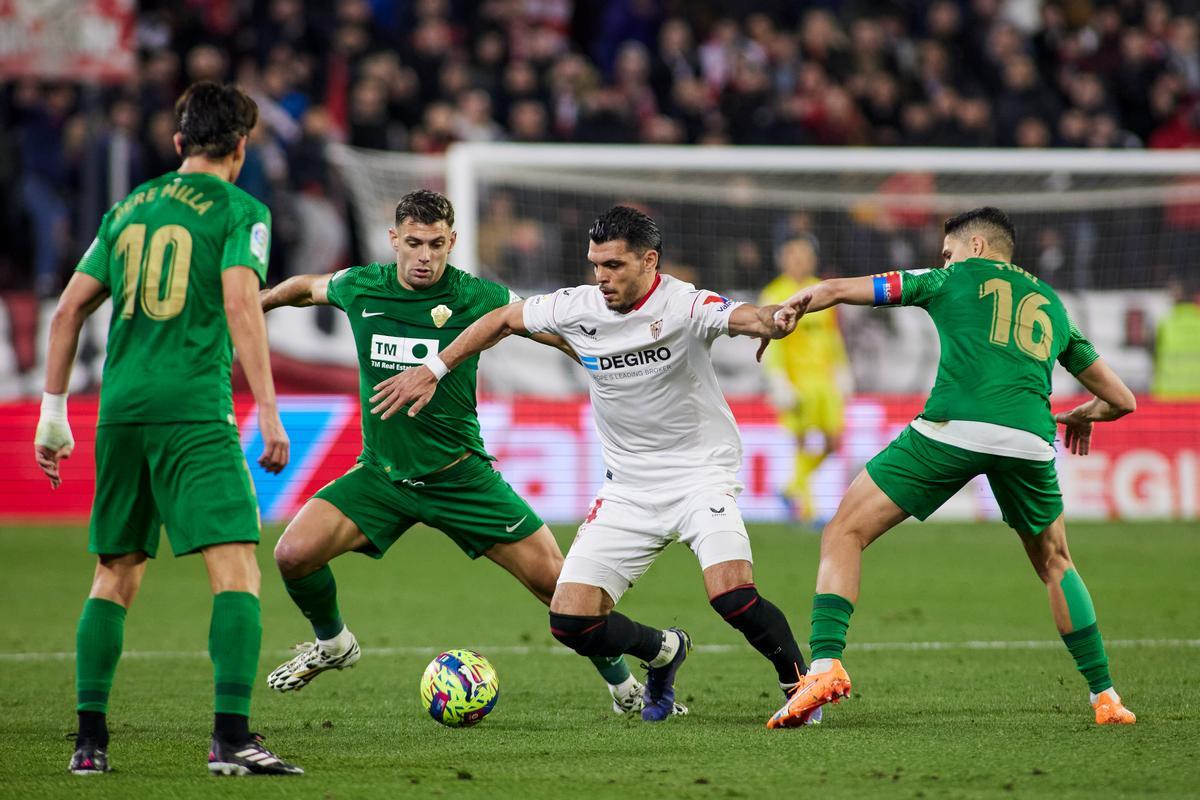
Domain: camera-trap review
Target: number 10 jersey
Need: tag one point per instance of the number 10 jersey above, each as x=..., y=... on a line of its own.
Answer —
x=160, y=252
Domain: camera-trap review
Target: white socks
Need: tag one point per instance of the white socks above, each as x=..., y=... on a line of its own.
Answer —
x=820, y=665
x=670, y=646
x=338, y=644
x=1110, y=694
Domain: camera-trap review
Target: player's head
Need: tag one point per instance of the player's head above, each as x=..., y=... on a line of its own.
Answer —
x=625, y=248
x=985, y=232
x=423, y=237
x=797, y=256
x=212, y=121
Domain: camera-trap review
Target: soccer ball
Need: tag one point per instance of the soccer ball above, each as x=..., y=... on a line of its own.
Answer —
x=459, y=688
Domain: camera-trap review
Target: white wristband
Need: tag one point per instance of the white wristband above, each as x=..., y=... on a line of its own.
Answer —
x=54, y=406
x=437, y=367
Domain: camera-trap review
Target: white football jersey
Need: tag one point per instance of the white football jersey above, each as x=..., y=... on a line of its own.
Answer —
x=660, y=414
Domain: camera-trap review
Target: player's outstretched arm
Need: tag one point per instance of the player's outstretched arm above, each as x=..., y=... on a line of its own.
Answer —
x=248, y=330
x=1112, y=400
x=53, y=440
x=416, y=386
x=766, y=322
x=851, y=291
x=298, y=290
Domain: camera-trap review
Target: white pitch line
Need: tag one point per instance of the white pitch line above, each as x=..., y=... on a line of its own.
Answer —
x=1030, y=644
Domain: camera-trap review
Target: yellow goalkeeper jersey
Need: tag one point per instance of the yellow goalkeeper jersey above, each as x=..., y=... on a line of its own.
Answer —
x=815, y=351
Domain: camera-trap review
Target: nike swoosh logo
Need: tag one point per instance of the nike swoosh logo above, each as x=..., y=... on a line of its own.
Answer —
x=515, y=525
x=372, y=313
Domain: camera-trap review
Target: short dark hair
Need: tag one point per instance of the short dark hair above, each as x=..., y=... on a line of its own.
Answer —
x=426, y=207
x=635, y=228
x=989, y=221
x=213, y=117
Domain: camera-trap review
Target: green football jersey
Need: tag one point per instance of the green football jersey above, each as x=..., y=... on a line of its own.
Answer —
x=160, y=252
x=1000, y=329
x=396, y=329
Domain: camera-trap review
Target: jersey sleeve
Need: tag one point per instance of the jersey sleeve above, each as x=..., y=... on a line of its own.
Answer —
x=341, y=284
x=1079, y=354
x=94, y=261
x=541, y=312
x=914, y=287
x=482, y=296
x=248, y=239
x=708, y=313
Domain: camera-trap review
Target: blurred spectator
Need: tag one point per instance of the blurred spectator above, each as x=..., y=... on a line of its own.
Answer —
x=418, y=75
x=1177, y=348
x=528, y=122
x=43, y=117
x=321, y=237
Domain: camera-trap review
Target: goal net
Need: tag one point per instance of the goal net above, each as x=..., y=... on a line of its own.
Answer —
x=1114, y=232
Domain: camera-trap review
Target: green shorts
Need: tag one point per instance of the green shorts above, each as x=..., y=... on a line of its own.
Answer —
x=469, y=502
x=190, y=476
x=919, y=474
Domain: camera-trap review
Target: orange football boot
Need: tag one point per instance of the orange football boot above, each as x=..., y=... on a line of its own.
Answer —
x=1111, y=711
x=812, y=692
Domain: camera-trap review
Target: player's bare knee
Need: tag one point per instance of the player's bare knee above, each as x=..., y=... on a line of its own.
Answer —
x=118, y=578
x=580, y=600
x=293, y=558
x=842, y=530
x=113, y=588
x=561, y=603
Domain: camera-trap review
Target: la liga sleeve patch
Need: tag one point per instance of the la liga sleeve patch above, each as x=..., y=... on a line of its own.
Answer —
x=260, y=241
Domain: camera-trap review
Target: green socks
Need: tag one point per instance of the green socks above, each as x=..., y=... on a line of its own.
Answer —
x=234, y=639
x=316, y=596
x=98, y=641
x=613, y=669
x=1079, y=602
x=1084, y=642
x=830, y=621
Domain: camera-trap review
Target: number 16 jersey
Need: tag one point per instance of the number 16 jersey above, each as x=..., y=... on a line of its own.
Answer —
x=1001, y=330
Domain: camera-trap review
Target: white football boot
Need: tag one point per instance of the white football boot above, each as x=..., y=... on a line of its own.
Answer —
x=311, y=660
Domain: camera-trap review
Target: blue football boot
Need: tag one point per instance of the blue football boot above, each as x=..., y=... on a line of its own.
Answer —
x=659, y=699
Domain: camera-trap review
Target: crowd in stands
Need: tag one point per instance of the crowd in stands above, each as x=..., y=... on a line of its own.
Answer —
x=418, y=75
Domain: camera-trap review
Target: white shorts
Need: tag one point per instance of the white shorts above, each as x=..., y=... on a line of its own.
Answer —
x=625, y=531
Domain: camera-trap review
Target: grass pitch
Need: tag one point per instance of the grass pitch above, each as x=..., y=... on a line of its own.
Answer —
x=961, y=686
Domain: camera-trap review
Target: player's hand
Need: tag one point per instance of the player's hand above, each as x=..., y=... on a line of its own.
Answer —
x=276, y=446
x=800, y=301
x=52, y=442
x=413, y=388
x=1077, y=433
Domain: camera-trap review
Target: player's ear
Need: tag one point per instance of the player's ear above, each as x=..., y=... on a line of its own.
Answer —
x=178, y=140
x=978, y=245
x=453, y=239
x=394, y=237
x=650, y=259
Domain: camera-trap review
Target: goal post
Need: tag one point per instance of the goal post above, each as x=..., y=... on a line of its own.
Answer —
x=1111, y=231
